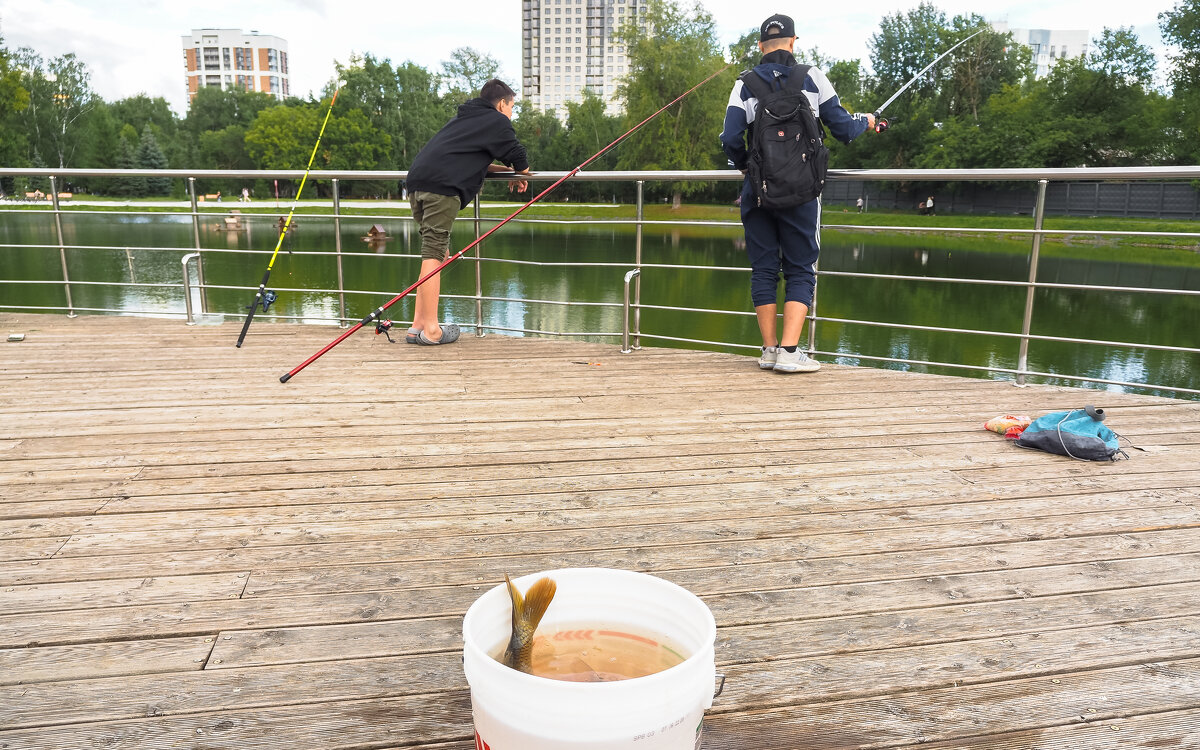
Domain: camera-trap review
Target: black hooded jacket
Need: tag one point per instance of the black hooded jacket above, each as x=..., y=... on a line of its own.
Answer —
x=455, y=160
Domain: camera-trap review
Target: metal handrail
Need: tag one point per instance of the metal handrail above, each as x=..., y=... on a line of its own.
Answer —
x=632, y=302
x=679, y=175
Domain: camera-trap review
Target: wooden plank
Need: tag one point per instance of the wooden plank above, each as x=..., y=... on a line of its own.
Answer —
x=58, y=597
x=712, y=543
x=25, y=666
x=675, y=523
x=765, y=684
x=757, y=569
x=172, y=619
x=30, y=549
x=1103, y=698
x=836, y=622
x=1167, y=729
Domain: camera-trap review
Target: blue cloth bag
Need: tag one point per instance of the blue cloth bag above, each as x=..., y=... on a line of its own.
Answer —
x=1079, y=433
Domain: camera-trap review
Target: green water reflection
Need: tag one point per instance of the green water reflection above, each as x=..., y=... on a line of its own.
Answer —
x=380, y=270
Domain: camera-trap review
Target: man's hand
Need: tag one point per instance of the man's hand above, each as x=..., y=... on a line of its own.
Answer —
x=520, y=185
x=870, y=122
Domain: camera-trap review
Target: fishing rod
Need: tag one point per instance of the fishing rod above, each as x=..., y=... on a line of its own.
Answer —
x=880, y=123
x=379, y=310
x=262, y=296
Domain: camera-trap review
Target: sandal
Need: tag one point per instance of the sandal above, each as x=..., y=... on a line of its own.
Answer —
x=450, y=334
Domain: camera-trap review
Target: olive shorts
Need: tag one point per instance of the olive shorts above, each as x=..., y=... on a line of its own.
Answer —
x=434, y=215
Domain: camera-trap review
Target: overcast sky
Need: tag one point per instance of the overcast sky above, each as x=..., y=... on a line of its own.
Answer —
x=133, y=46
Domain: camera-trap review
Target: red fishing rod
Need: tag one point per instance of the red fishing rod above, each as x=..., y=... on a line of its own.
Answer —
x=378, y=311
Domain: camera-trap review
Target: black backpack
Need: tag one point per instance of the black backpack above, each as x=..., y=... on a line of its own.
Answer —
x=788, y=156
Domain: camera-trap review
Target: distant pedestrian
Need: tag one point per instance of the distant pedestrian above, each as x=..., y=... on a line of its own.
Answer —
x=446, y=175
x=783, y=240
x=246, y=195
x=859, y=203
x=929, y=205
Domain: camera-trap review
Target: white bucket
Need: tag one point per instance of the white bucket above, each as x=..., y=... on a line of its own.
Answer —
x=662, y=711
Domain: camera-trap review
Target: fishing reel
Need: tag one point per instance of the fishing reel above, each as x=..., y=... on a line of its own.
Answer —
x=384, y=327
x=268, y=299
x=881, y=123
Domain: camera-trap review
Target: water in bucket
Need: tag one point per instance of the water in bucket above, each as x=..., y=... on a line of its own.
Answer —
x=657, y=710
x=595, y=652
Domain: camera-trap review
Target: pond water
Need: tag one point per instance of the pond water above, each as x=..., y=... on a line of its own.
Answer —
x=148, y=249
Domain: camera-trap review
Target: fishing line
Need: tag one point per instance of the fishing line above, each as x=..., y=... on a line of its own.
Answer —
x=374, y=315
x=262, y=296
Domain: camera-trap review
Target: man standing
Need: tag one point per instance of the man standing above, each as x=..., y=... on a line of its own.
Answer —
x=447, y=175
x=782, y=240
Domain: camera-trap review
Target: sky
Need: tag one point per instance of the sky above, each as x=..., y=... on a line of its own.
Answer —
x=133, y=46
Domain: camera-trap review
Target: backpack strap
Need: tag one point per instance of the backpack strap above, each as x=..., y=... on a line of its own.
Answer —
x=796, y=77
x=759, y=88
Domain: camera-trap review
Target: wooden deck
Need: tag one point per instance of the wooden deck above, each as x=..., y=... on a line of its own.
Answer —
x=195, y=555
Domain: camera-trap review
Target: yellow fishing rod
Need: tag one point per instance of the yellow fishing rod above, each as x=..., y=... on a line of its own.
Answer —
x=262, y=296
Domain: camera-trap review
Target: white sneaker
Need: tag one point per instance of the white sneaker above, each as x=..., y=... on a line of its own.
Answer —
x=796, y=361
x=769, y=355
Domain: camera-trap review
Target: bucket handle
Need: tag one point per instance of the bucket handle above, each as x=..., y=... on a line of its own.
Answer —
x=720, y=687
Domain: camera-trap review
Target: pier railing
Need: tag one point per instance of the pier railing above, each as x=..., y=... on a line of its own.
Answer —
x=632, y=333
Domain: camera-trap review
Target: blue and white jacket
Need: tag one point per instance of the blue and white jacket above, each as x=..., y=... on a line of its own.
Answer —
x=824, y=100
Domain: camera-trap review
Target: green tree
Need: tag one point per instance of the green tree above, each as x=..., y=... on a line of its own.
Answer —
x=670, y=51
x=1122, y=59
x=127, y=158
x=905, y=44
x=589, y=129
x=150, y=156
x=216, y=109
x=401, y=102
x=14, y=99
x=467, y=70
x=141, y=110
x=424, y=111
x=979, y=68
x=60, y=96
x=1180, y=27
x=224, y=149
x=543, y=136
x=284, y=138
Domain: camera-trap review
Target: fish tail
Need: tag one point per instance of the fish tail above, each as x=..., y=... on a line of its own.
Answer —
x=527, y=613
x=537, y=600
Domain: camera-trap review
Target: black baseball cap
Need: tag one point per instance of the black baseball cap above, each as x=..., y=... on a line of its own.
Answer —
x=777, y=26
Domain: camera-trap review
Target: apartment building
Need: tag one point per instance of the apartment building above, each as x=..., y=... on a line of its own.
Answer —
x=570, y=45
x=227, y=58
x=1048, y=46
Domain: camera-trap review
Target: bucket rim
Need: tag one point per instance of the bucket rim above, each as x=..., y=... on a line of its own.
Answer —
x=706, y=652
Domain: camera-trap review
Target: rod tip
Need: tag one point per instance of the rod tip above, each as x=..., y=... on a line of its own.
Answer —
x=285, y=377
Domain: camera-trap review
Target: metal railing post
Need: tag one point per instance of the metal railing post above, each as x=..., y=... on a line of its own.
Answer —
x=337, y=244
x=62, y=245
x=812, y=309
x=1039, y=213
x=637, y=261
x=187, y=287
x=478, y=277
x=196, y=244
x=629, y=276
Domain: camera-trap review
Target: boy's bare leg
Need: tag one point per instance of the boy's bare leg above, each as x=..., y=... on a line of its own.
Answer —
x=425, y=312
x=766, y=324
x=793, y=322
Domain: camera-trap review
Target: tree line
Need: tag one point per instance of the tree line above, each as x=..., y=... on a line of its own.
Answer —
x=981, y=107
